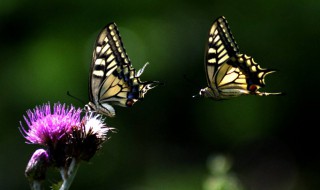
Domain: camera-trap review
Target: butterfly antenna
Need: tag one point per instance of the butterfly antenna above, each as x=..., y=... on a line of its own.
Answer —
x=158, y=83
x=68, y=93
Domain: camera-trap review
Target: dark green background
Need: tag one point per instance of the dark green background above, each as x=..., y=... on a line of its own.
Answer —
x=164, y=141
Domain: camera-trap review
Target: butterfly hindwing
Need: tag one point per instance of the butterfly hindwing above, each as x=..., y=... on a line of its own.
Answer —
x=113, y=80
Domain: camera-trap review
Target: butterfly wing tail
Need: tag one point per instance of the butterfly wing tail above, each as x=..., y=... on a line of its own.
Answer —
x=152, y=84
x=139, y=73
x=270, y=93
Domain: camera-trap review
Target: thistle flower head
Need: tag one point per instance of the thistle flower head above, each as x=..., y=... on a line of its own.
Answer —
x=64, y=132
x=94, y=125
x=88, y=137
x=46, y=126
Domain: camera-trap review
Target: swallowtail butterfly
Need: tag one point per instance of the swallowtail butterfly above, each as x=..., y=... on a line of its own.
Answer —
x=113, y=80
x=229, y=72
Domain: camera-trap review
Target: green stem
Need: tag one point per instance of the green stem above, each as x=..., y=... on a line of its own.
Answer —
x=69, y=175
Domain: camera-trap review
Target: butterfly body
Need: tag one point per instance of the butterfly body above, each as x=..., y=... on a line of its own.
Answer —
x=229, y=72
x=113, y=80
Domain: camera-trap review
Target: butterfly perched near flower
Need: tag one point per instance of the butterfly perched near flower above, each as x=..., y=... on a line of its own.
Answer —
x=229, y=72
x=113, y=80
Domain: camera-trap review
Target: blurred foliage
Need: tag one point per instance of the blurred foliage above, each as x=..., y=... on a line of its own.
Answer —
x=164, y=141
x=220, y=177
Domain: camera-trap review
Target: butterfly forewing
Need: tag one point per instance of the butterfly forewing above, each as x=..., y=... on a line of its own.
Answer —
x=221, y=46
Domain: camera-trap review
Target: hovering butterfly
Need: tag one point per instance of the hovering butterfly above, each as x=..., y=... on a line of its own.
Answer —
x=230, y=73
x=113, y=80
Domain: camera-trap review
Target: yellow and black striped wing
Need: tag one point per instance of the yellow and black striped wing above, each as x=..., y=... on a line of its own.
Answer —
x=225, y=67
x=221, y=47
x=113, y=80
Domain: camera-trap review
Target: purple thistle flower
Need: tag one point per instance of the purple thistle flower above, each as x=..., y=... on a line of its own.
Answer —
x=46, y=127
x=69, y=139
x=64, y=132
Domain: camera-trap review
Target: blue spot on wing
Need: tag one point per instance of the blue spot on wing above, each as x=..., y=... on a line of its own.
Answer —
x=133, y=95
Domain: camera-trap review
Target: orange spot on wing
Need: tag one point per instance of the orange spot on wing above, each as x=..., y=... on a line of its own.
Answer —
x=130, y=102
x=253, y=88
